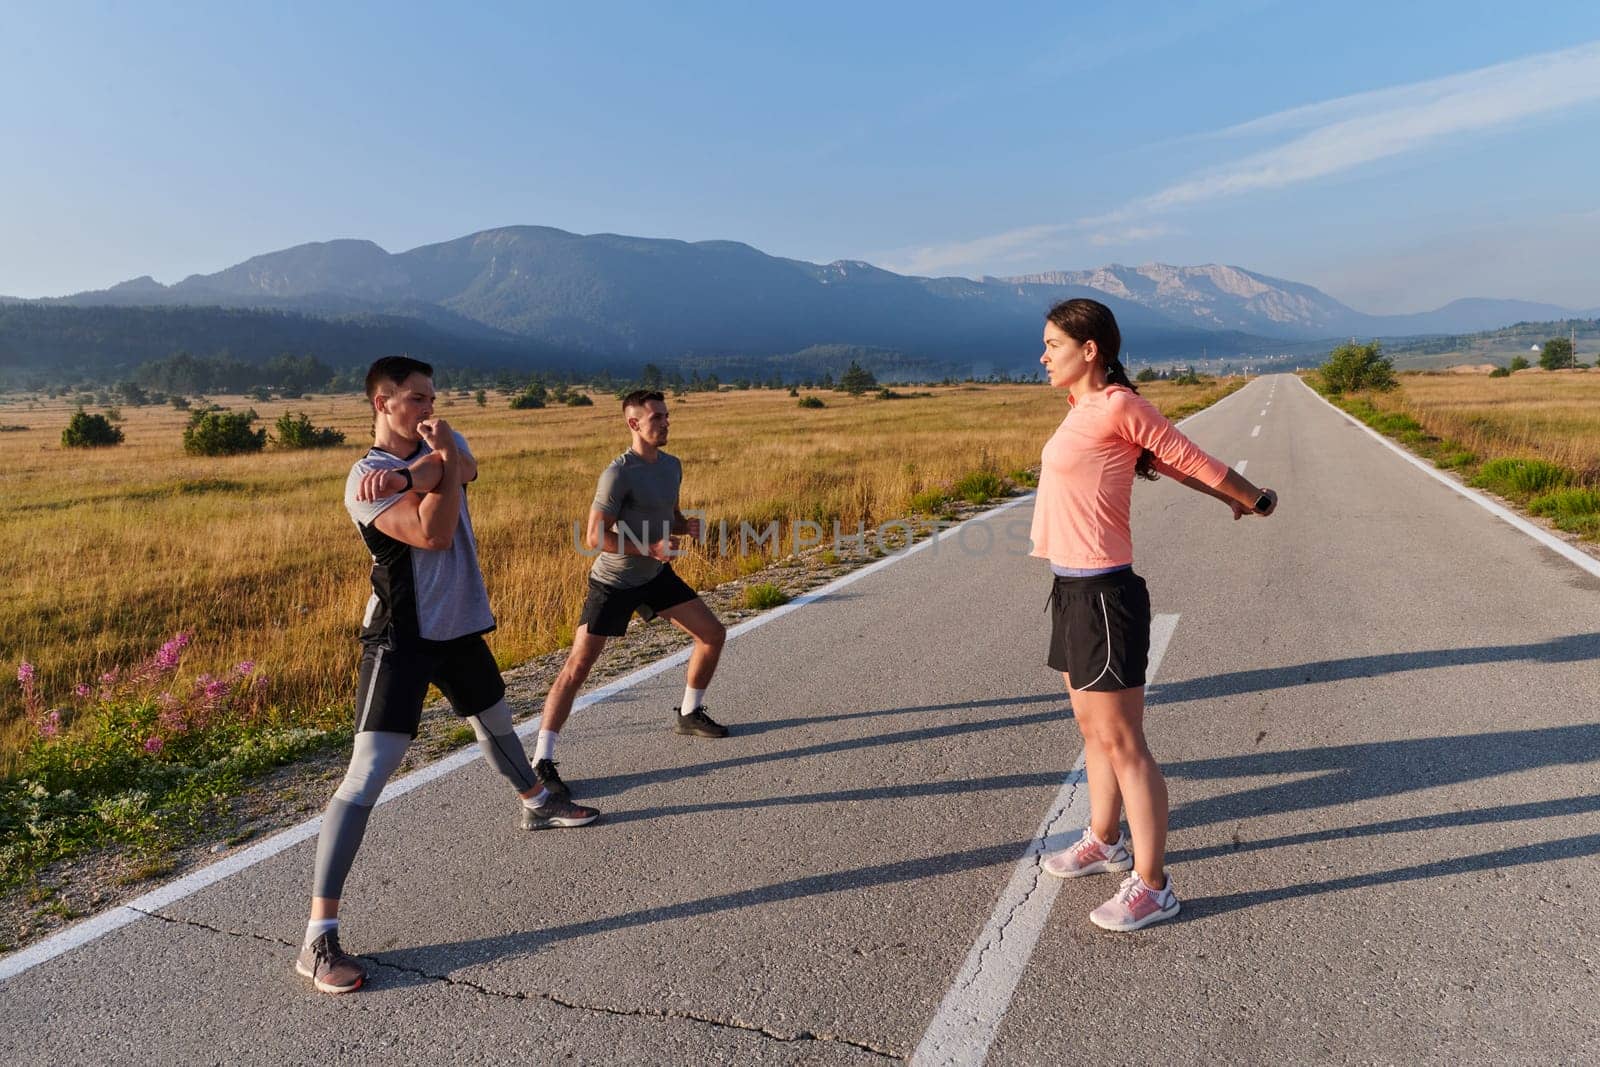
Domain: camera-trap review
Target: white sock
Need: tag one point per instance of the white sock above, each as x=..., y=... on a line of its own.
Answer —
x=536, y=801
x=317, y=927
x=546, y=746
x=691, y=700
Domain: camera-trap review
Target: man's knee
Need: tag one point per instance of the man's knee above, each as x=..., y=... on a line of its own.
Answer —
x=715, y=635
x=376, y=757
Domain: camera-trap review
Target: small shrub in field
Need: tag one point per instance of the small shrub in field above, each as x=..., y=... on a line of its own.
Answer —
x=980, y=487
x=1454, y=461
x=929, y=502
x=259, y=393
x=1521, y=477
x=812, y=402
x=579, y=400
x=1025, y=477
x=1500, y=372
x=1350, y=367
x=481, y=397
x=764, y=595
x=222, y=433
x=296, y=431
x=180, y=403
x=90, y=431
x=829, y=558
x=529, y=399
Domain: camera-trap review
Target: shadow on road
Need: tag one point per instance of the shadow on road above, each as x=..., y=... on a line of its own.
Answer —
x=594, y=788
x=1377, y=769
x=1574, y=649
x=441, y=959
x=1353, y=773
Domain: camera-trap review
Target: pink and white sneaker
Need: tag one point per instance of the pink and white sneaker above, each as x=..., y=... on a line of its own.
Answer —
x=1135, y=906
x=1089, y=855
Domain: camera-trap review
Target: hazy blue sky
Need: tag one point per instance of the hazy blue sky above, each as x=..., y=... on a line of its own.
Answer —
x=1397, y=155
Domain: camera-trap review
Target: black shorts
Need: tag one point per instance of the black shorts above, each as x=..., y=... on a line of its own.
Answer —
x=393, y=682
x=607, y=609
x=1100, y=631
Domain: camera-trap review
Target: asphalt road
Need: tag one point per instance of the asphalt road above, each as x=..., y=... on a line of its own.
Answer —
x=1375, y=710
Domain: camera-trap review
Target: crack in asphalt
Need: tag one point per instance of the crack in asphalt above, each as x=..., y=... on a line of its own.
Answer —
x=1036, y=848
x=551, y=998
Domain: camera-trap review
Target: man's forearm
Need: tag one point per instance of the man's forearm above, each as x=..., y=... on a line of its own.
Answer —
x=440, y=510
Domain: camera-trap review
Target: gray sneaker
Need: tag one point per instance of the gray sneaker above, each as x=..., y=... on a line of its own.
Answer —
x=557, y=812
x=329, y=969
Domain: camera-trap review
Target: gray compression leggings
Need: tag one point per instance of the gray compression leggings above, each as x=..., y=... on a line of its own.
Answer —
x=377, y=754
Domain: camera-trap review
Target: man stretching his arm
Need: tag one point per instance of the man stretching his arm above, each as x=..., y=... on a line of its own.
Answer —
x=425, y=624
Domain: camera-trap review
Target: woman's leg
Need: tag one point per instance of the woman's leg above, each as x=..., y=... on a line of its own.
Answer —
x=1116, y=721
x=1105, y=797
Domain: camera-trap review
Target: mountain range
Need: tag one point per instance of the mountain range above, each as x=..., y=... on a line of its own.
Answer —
x=608, y=298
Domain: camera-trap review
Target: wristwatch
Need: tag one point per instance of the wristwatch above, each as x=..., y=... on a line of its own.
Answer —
x=407, y=472
x=1263, y=503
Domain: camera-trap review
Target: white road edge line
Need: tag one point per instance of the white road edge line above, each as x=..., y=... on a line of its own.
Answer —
x=100, y=925
x=969, y=1017
x=1511, y=518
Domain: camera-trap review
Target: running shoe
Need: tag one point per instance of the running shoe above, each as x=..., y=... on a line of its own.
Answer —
x=329, y=969
x=557, y=812
x=1136, y=905
x=1089, y=855
x=697, y=724
x=545, y=771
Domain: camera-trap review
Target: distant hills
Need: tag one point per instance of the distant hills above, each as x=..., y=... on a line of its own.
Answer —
x=533, y=296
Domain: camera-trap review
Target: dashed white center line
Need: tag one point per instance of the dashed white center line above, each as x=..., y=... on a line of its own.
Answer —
x=1256, y=432
x=970, y=1014
x=1239, y=466
x=1263, y=412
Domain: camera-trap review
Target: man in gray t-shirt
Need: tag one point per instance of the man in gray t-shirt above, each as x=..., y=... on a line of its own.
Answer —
x=632, y=522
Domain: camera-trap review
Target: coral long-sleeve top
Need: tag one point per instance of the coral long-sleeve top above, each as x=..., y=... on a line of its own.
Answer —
x=1080, y=516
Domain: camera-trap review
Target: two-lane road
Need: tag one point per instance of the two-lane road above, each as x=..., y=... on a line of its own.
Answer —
x=1375, y=710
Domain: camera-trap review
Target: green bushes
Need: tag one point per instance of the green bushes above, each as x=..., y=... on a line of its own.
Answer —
x=980, y=487
x=930, y=502
x=1575, y=510
x=812, y=402
x=529, y=399
x=90, y=431
x=1521, y=478
x=223, y=433
x=1352, y=366
x=296, y=431
x=764, y=595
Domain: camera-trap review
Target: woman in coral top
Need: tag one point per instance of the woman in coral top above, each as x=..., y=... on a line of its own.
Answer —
x=1100, y=632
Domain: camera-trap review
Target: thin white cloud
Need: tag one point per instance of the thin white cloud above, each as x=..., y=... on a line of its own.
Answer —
x=1338, y=135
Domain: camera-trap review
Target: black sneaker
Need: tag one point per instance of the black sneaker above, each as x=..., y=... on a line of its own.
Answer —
x=329, y=969
x=557, y=812
x=545, y=771
x=697, y=724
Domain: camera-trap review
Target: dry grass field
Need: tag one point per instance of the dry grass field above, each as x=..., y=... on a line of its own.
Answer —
x=1553, y=416
x=111, y=551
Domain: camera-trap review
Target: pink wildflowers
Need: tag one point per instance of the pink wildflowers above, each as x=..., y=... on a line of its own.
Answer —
x=153, y=744
x=50, y=725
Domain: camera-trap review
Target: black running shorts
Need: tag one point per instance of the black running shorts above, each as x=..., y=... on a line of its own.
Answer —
x=393, y=682
x=1100, y=631
x=607, y=609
